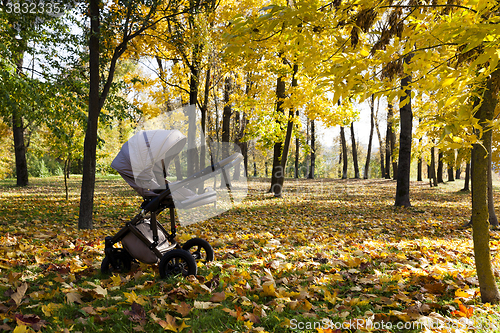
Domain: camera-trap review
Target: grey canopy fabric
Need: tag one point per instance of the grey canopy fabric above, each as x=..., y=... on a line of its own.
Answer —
x=139, y=161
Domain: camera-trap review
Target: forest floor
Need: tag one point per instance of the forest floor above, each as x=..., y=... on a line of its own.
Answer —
x=330, y=256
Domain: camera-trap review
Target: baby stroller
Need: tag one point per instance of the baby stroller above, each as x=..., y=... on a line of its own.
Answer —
x=143, y=163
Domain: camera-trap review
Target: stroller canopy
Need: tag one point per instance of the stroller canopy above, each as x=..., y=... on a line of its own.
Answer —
x=140, y=159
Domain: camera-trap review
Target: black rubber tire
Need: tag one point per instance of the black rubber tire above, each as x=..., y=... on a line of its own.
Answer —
x=200, y=249
x=176, y=262
x=123, y=262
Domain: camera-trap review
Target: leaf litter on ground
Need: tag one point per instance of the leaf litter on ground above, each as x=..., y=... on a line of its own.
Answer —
x=328, y=255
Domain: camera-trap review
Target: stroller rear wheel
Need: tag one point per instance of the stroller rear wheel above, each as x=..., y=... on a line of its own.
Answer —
x=177, y=262
x=121, y=262
x=200, y=249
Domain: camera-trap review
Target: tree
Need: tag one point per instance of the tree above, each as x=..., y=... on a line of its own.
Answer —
x=390, y=142
x=440, y=167
x=131, y=20
x=354, y=153
x=21, y=93
x=313, y=151
x=380, y=142
x=432, y=168
x=344, y=152
x=480, y=224
x=405, y=139
x=372, y=125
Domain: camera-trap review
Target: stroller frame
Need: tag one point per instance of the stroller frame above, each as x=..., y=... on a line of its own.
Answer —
x=174, y=259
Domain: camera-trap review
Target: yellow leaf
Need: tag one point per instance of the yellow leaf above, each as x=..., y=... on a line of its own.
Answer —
x=448, y=81
x=248, y=324
x=168, y=323
x=132, y=297
x=117, y=280
x=182, y=326
x=337, y=277
x=22, y=329
x=269, y=288
x=48, y=309
x=461, y=293
x=331, y=298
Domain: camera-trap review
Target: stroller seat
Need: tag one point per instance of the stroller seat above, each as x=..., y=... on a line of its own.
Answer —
x=185, y=198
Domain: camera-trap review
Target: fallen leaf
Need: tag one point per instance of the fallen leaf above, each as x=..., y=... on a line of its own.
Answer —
x=19, y=294
x=218, y=297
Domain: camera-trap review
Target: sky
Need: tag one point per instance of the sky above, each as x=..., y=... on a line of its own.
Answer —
x=361, y=127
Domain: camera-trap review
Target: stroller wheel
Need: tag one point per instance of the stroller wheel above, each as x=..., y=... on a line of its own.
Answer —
x=177, y=262
x=200, y=249
x=121, y=262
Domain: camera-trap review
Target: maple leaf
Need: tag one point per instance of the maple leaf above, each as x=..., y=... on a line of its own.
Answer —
x=463, y=311
x=168, y=323
x=182, y=308
x=133, y=298
x=73, y=297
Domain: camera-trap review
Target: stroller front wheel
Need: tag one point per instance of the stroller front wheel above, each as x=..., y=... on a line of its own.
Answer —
x=176, y=262
x=200, y=249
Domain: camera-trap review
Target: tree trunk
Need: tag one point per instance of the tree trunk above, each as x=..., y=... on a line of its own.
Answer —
x=226, y=113
x=419, y=163
x=493, y=220
x=451, y=174
x=480, y=226
x=194, y=82
x=440, y=168
x=467, y=178
x=277, y=172
x=255, y=167
x=419, y=169
x=389, y=148
x=18, y=132
x=339, y=173
x=354, y=153
x=90, y=143
x=380, y=150
x=66, y=168
x=306, y=158
x=203, y=139
x=297, y=147
x=344, y=153
x=19, y=149
x=313, y=151
x=368, y=153
x=432, y=172
x=458, y=173
x=405, y=138
x=226, y=123
x=288, y=136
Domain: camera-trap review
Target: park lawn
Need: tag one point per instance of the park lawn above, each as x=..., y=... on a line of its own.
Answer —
x=330, y=256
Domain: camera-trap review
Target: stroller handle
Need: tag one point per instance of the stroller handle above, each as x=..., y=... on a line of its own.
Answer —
x=208, y=172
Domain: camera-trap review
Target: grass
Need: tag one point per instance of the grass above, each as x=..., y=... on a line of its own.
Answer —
x=328, y=250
